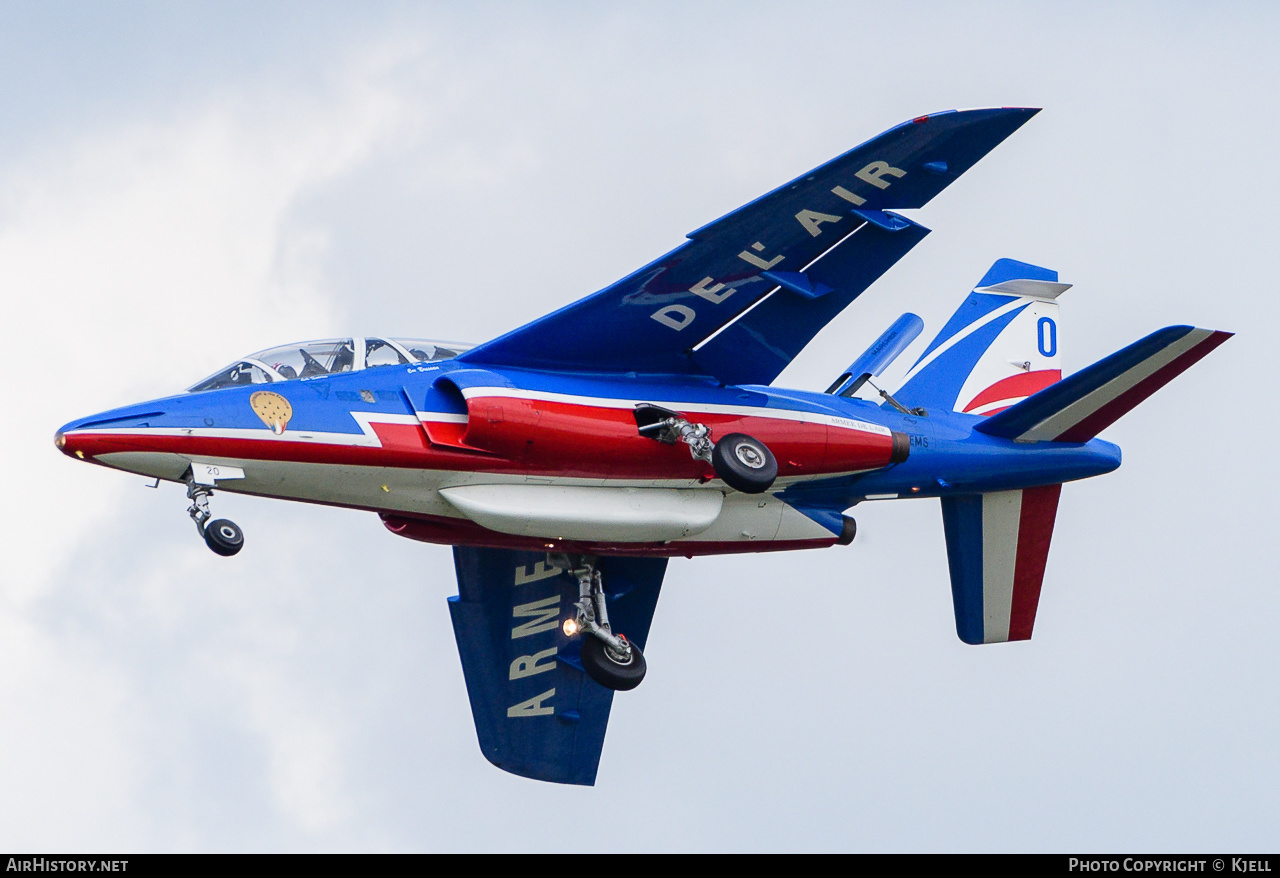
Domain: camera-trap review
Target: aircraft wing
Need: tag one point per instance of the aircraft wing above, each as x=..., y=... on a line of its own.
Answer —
x=747, y=292
x=537, y=713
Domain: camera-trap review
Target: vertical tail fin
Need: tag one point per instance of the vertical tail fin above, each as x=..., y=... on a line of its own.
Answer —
x=997, y=546
x=999, y=347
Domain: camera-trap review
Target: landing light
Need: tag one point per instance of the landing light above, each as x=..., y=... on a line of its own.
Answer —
x=571, y=627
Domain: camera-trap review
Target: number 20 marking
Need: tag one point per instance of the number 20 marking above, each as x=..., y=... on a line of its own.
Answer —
x=1047, y=336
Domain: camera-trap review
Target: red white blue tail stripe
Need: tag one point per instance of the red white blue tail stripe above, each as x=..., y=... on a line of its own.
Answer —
x=1080, y=407
x=997, y=546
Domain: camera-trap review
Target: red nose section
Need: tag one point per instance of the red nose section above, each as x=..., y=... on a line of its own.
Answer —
x=117, y=430
x=69, y=445
x=81, y=446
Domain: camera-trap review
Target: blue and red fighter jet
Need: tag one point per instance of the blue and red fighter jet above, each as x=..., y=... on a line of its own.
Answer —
x=567, y=460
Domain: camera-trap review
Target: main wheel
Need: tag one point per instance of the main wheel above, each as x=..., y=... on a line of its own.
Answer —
x=744, y=463
x=605, y=669
x=224, y=537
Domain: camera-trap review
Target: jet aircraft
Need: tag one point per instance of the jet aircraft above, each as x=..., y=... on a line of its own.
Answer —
x=566, y=461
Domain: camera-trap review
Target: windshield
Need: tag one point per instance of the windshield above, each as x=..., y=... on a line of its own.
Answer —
x=424, y=351
x=310, y=359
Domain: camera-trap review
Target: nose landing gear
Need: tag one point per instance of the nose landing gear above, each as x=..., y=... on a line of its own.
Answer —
x=610, y=659
x=224, y=536
x=221, y=535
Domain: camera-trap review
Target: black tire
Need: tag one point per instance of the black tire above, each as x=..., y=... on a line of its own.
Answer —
x=224, y=537
x=601, y=667
x=744, y=463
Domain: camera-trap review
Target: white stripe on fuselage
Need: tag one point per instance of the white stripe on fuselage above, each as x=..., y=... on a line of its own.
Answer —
x=366, y=438
x=746, y=519
x=691, y=407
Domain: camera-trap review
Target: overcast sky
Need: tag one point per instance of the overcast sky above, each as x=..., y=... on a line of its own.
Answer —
x=182, y=183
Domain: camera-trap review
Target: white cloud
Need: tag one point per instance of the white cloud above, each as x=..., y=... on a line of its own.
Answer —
x=137, y=259
x=134, y=260
x=473, y=172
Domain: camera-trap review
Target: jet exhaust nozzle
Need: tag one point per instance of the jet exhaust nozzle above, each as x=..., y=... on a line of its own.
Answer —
x=901, y=447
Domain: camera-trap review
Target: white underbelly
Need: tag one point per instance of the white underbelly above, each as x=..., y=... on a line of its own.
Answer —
x=578, y=509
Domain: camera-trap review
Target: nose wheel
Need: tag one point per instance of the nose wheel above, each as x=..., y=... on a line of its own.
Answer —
x=221, y=535
x=610, y=659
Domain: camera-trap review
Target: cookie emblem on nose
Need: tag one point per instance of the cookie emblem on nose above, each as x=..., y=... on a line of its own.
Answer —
x=273, y=409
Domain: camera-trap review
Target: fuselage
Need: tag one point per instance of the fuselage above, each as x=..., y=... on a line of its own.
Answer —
x=390, y=439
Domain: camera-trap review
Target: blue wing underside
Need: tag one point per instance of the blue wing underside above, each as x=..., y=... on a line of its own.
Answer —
x=740, y=299
x=537, y=714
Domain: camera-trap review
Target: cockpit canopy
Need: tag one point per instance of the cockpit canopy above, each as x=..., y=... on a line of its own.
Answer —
x=308, y=359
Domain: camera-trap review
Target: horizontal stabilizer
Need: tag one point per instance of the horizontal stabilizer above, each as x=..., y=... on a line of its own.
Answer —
x=997, y=546
x=537, y=714
x=1079, y=407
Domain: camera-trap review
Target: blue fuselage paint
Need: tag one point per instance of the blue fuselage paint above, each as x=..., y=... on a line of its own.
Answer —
x=947, y=456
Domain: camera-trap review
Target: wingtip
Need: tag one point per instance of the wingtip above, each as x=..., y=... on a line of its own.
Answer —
x=977, y=114
x=1028, y=110
x=1218, y=337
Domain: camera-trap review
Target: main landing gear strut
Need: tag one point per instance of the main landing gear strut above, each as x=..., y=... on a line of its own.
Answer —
x=610, y=659
x=741, y=461
x=221, y=535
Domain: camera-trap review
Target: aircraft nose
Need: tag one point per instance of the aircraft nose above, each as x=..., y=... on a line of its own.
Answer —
x=86, y=438
x=65, y=441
